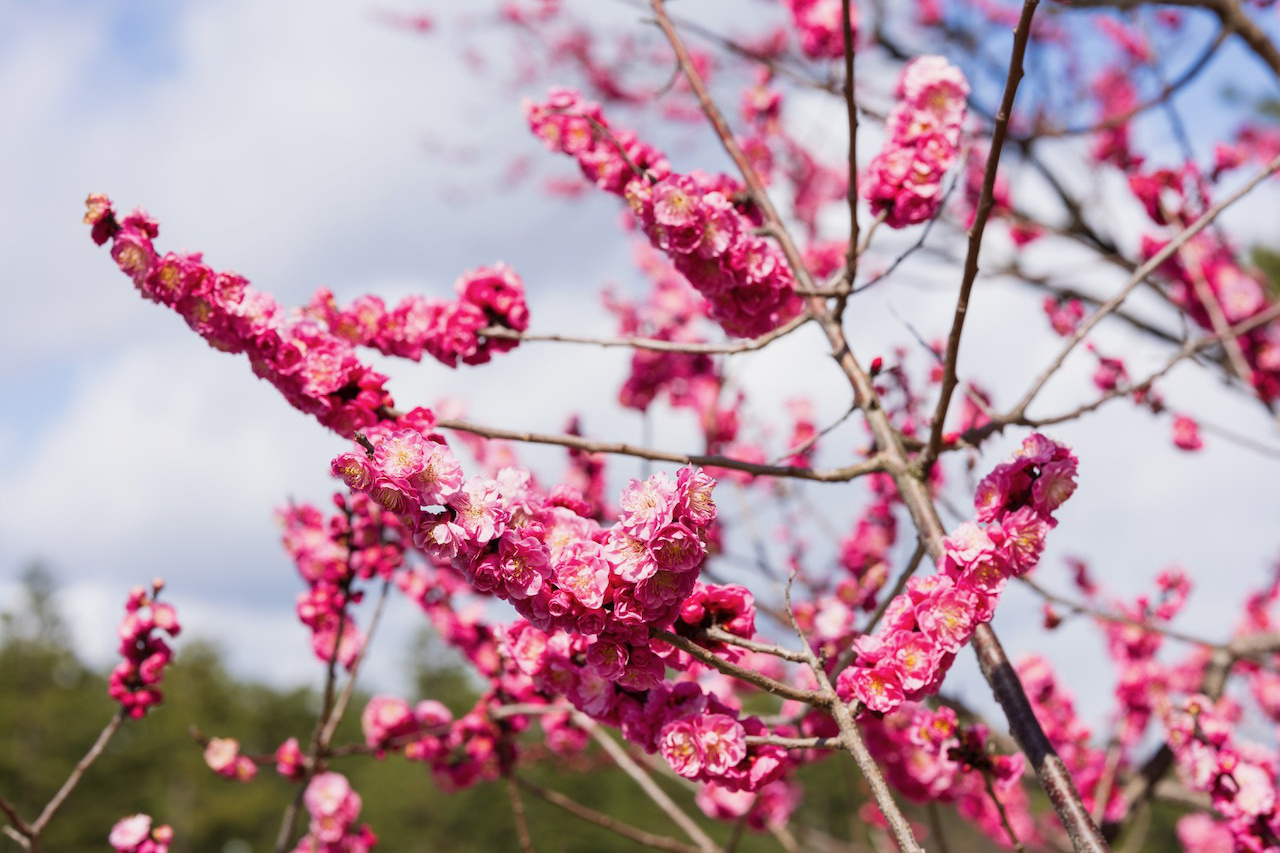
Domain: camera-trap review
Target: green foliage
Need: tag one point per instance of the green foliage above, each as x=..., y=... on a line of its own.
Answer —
x=1268, y=262
x=54, y=708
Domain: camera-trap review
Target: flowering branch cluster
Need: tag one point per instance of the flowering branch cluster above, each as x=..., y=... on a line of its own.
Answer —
x=818, y=25
x=315, y=367
x=904, y=181
x=617, y=625
x=135, y=681
x=923, y=628
x=930, y=757
x=330, y=554
x=701, y=221
x=446, y=330
x=1240, y=779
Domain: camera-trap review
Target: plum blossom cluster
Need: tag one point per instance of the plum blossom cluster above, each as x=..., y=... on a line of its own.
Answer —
x=828, y=620
x=461, y=752
x=136, y=834
x=603, y=590
x=1239, y=777
x=818, y=24
x=929, y=757
x=135, y=681
x=316, y=371
x=360, y=541
x=904, y=181
x=310, y=363
x=700, y=221
x=673, y=311
x=447, y=330
x=1140, y=678
x=555, y=564
x=924, y=627
x=702, y=737
x=1208, y=284
x=334, y=807
x=1205, y=279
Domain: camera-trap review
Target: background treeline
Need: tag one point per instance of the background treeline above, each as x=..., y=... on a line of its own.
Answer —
x=52, y=707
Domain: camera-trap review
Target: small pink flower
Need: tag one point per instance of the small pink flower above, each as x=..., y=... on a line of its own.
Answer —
x=289, y=759
x=878, y=687
x=993, y=493
x=606, y=658
x=387, y=718
x=327, y=794
x=681, y=747
x=723, y=742
x=1256, y=794
x=647, y=506
x=676, y=548
x=1186, y=433
x=130, y=832
x=1055, y=484
x=948, y=618
x=220, y=754
x=1020, y=537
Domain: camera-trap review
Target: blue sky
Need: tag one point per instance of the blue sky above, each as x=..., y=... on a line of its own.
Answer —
x=299, y=143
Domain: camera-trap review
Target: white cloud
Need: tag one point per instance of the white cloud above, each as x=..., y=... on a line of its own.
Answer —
x=289, y=141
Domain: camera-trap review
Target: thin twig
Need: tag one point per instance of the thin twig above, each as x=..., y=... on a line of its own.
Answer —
x=720, y=635
x=833, y=475
x=626, y=830
x=1188, y=350
x=517, y=810
x=750, y=676
x=814, y=439
x=19, y=831
x=851, y=110
x=798, y=742
x=655, y=344
x=646, y=783
x=1121, y=118
x=986, y=203
x=1004, y=817
x=1230, y=16
x=1122, y=619
x=344, y=699
x=847, y=657
x=104, y=737
x=1139, y=275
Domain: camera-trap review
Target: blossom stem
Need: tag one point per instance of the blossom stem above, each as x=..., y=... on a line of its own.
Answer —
x=655, y=344
x=646, y=783
x=517, y=810
x=815, y=698
x=104, y=737
x=1139, y=275
x=833, y=475
x=986, y=203
x=626, y=830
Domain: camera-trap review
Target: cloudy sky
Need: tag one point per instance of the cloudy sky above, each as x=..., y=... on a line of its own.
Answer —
x=307, y=144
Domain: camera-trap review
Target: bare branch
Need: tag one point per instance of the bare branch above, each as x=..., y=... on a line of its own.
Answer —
x=986, y=203
x=655, y=344
x=646, y=783
x=833, y=475
x=777, y=688
x=626, y=830
x=1139, y=275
